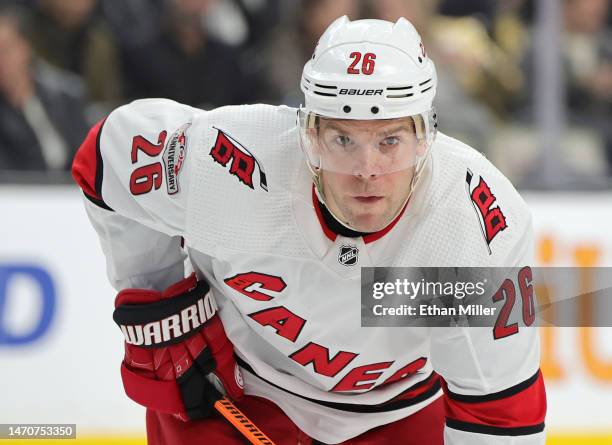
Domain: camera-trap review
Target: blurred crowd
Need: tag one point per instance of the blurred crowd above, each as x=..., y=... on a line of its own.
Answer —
x=64, y=64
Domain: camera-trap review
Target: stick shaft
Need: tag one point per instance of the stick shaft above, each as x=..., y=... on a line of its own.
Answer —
x=241, y=422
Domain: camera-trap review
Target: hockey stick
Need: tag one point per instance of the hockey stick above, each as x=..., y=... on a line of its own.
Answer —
x=241, y=422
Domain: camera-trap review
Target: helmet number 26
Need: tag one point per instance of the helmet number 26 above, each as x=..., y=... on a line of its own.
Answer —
x=367, y=64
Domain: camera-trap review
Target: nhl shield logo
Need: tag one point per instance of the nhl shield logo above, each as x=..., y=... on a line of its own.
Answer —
x=348, y=255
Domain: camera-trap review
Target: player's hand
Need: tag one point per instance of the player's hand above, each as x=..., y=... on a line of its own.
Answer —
x=178, y=359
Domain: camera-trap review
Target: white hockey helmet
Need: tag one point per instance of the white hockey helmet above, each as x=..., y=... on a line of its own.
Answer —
x=369, y=69
x=366, y=70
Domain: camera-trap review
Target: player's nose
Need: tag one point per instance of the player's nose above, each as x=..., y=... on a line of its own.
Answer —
x=367, y=164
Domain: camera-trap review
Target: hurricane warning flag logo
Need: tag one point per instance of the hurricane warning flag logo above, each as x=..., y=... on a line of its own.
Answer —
x=491, y=217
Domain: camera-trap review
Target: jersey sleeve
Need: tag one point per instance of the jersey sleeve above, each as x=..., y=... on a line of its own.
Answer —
x=493, y=388
x=133, y=168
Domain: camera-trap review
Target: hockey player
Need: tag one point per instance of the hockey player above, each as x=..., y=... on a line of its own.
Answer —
x=276, y=236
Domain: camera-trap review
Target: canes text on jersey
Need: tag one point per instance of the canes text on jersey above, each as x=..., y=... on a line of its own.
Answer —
x=289, y=326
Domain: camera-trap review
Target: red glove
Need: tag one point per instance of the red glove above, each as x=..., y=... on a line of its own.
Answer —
x=178, y=359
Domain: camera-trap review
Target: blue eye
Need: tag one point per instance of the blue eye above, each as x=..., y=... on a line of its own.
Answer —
x=391, y=140
x=342, y=140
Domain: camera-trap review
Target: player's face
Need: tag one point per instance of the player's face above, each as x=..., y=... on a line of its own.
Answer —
x=367, y=187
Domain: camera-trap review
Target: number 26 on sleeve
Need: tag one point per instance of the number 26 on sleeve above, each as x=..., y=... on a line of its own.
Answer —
x=147, y=177
x=507, y=293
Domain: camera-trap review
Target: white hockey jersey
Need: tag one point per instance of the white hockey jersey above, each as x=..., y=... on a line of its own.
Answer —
x=232, y=184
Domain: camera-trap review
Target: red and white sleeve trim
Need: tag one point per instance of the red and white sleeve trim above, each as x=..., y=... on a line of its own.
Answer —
x=515, y=411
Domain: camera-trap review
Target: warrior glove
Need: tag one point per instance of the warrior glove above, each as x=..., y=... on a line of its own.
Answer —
x=178, y=359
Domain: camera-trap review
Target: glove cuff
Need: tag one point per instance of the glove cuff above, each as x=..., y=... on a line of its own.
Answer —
x=164, y=322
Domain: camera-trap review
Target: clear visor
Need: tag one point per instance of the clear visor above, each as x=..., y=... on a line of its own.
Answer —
x=364, y=147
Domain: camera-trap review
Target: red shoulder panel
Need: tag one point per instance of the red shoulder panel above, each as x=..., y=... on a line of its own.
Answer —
x=87, y=165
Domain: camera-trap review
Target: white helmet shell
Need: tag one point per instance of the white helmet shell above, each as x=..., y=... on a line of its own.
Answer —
x=369, y=69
